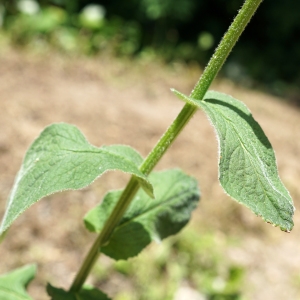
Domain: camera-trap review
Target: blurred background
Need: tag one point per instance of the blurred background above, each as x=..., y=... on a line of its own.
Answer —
x=106, y=66
x=267, y=56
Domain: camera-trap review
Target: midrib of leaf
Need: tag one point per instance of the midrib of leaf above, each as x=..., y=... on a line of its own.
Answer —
x=44, y=160
x=154, y=207
x=250, y=157
x=80, y=151
x=62, y=157
x=97, y=151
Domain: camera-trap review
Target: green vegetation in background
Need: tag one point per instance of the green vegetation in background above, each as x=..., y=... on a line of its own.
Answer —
x=170, y=27
x=43, y=27
x=192, y=259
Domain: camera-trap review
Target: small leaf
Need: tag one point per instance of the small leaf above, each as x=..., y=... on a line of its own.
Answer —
x=177, y=195
x=86, y=293
x=247, y=166
x=61, y=159
x=13, y=285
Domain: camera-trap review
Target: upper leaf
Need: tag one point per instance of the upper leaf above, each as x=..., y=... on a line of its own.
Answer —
x=60, y=159
x=177, y=195
x=247, y=165
x=86, y=293
x=13, y=285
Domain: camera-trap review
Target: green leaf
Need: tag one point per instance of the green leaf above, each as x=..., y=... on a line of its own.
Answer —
x=86, y=293
x=247, y=165
x=13, y=285
x=177, y=195
x=61, y=159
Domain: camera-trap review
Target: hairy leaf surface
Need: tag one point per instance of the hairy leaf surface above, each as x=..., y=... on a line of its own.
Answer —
x=60, y=159
x=247, y=165
x=13, y=285
x=177, y=195
x=86, y=293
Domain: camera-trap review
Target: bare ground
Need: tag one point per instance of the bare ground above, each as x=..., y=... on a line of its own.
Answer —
x=121, y=102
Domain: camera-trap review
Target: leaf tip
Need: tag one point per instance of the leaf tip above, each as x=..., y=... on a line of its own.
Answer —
x=178, y=94
x=288, y=228
x=286, y=225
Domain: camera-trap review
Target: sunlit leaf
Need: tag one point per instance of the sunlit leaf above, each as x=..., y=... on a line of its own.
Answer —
x=13, y=285
x=247, y=165
x=60, y=159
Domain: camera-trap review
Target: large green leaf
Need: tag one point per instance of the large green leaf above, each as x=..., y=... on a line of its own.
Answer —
x=60, y=159
x=177, y=195
x=13, y=285
x=86, y=293
x=247, y=165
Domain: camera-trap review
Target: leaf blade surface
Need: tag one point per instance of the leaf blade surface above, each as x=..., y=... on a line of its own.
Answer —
x=177, y=195
x=13, y=285
x=61, y=159
x=247, y=164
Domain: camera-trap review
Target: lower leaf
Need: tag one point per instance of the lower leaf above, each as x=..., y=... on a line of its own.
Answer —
x=147, y=220
x=86, y=293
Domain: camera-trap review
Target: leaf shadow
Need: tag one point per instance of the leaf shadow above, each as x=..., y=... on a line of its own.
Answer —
x=256, y=129
x=127, y=241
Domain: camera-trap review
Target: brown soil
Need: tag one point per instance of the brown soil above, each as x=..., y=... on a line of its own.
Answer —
x=121, y=102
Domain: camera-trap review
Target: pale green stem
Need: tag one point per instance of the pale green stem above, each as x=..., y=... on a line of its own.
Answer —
x=209, y=74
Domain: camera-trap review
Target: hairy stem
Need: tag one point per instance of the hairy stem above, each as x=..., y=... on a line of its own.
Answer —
x=209, y=74
x=113, y=220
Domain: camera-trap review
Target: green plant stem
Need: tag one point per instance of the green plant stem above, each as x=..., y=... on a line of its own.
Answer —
x=113, y=220
x=209, y=74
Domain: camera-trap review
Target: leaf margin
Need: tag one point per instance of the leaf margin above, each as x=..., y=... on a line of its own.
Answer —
x=28, y=164
x=286, y=224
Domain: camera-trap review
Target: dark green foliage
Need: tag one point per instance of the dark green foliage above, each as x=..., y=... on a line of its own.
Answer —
x=146, y=220
x=174, y=29
x=263, y=46
x=87, y=293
